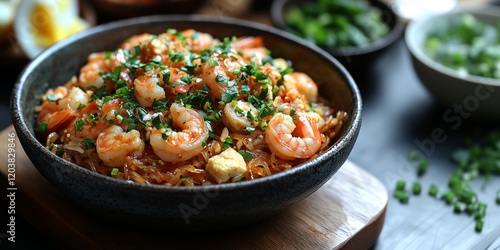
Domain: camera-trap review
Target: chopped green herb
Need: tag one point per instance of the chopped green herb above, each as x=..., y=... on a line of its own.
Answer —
x=230, y=95
x=79, y=125
x=263, y=125
x=422, y=167
x=114, y=171
x=222, y=79
x=157, y=122
x=210, y=118
x=458, y=207
x=433, y=190
x=52, y=98
x=404, y=196
x=42, y=127
x=164, y=135
x=417, y=188
x=450, y=196
x=246, y=154
x=400, y=185
x=413, y=155
x=479, y=225
x=213, y=62
x=89, y=143
x=249, y=129
x=60, y=151
x=185, y=179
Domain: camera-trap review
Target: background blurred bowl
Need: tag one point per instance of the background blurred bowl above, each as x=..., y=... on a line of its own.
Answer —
x=473, y=94
x=354, y=59
x=208, y=207
x=110, y=10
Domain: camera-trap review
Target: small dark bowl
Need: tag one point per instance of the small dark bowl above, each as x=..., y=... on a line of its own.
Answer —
x=354, y=59
x=181, y=208
x=110, y=10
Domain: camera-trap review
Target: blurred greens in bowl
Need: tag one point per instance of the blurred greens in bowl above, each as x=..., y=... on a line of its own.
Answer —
x=337, y=24
x=466, y=44
x=455, y=55
x=354, y=32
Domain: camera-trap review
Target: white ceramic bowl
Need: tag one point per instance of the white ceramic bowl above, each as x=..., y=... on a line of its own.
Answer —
x=465, y=95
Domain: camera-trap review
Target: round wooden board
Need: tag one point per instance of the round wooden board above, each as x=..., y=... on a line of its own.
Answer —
x=347, y=212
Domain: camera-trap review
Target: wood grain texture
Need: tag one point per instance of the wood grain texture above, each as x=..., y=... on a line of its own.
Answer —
x=347, y=212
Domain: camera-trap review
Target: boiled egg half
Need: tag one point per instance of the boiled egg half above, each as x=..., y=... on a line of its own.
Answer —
x=40, y=23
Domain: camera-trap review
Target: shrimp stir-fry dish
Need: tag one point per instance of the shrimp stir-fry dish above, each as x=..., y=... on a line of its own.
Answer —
x=185, y=109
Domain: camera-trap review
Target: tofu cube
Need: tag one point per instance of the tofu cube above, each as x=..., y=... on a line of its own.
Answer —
x=226, y=165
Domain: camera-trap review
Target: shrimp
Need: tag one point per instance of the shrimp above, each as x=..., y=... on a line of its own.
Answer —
x=113, y=145
x=235, y=120
x=57, y=113
x=149, y=87
x=91, y=73
x=223, y=69
x=150, y=46
x=184, y=144
x=273, y=75
x=290, y=139
x=302, y=83
x=252, y=49
x=197, y=41
x=97, y=124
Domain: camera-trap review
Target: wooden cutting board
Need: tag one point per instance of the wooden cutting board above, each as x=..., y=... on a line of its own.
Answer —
x=347, y=212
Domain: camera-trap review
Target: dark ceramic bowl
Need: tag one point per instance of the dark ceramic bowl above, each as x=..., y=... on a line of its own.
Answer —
x=179, y=208
x=354, y=59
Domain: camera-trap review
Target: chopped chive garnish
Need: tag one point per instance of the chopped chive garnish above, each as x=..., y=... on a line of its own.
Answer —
x=413, y=155
x=422, y=167
x=458, y=207
x=42, y=127
x=89, y=143
x=185, y=179
x=417, y=188
x=60, y=151
x=433, y=190
x=479, y=225
x=79, y=125
x=400, y=185
x=450, y=196
x=404, y=195
x=114, y=171
x=246, y=155
x=52, y=98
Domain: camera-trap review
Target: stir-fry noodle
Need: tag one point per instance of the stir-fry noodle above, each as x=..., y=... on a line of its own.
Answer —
x=184, y=109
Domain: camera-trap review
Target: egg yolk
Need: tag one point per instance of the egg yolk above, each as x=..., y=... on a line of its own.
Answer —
x=46, y=30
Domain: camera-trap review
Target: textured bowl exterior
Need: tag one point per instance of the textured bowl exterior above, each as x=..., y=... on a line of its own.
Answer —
x=183, y=208
x=476, y=95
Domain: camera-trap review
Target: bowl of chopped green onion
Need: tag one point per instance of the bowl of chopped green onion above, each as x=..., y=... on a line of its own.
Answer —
x=355, y=32
x=456, y=55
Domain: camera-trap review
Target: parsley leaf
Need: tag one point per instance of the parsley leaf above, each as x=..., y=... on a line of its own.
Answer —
x=89, y=143
x=42, y=127
x=246, y=154
x=230, y=94
x=79, y=125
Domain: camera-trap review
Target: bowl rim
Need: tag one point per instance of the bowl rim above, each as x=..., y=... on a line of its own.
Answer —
x=395, y=32
x=422, y=25
x=21, y=125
